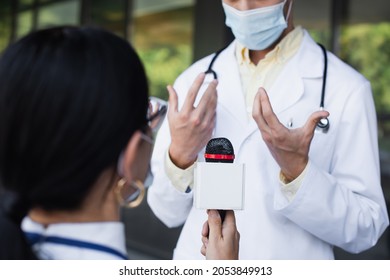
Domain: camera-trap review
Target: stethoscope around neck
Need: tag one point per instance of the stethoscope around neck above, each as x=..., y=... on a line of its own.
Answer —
x=323, y=124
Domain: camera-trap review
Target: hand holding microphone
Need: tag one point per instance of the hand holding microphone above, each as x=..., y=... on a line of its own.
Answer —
x=220, y=241
x=219, y=188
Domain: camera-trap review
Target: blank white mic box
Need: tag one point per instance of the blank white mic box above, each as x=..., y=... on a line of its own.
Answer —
x=219, y=186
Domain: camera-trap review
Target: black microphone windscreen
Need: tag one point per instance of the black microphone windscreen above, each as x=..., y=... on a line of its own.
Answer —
x=219, y=150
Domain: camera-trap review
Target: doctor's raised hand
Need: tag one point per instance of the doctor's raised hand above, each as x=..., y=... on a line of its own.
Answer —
x=289, y=147
x=191, y=127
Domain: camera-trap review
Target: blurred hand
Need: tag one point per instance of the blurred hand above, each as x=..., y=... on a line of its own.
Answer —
x=191, y=128
x=220, y=240
x=289, y=147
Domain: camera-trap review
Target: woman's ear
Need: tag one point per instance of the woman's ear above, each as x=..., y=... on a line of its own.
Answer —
x=130, y=155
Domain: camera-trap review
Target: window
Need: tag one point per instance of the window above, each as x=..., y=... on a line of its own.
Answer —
x=315, y=17
x=110, y=15
x=59, y=13
x=24, y=23
x=5, y=24
x=162, y=34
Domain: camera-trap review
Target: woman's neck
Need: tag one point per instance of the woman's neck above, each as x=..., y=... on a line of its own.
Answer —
x=100, y=205
x=47, y=217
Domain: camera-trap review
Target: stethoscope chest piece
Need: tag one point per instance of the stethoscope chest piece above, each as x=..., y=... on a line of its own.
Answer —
x=323, y=125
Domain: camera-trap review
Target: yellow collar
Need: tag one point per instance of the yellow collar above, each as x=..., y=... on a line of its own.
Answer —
x=286, y=48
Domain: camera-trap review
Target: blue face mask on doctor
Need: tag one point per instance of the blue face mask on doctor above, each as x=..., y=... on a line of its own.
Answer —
x=257, y=29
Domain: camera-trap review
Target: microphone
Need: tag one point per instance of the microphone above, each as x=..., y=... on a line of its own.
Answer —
x=218, y=184
x=219, y=150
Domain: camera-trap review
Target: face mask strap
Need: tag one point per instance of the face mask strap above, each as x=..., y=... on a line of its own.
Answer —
x=289, y=10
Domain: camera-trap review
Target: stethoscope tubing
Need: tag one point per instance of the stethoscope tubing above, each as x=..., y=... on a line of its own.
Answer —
x=324, y=123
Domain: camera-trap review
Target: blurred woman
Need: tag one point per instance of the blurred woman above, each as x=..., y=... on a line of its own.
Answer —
x=75, y=143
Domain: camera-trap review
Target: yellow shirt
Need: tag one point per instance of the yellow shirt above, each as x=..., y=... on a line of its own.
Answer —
x=267, y=70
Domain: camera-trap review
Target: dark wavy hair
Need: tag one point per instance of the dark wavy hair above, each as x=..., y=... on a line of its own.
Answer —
x=70, y=99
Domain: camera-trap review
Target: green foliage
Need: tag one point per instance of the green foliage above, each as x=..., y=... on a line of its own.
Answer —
x=321, y=36
x=4, y=35
x=163, y=65
x=367, y=48
x=5, y=25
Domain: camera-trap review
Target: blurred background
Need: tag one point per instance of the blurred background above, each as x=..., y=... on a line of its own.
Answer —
x=170, y=34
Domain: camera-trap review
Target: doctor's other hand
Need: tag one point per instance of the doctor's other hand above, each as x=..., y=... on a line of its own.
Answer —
x=220, y=239
x=289, y=147
x=191, y=128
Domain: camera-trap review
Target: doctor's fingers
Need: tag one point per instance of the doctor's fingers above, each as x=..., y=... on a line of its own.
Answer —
x=193, y=93
x=257, y=114
x=270, y=127
x=313, y=120
x=267, y=112
x=172, y=101
x=208, y=102
x=205, y=121
x=200, y=117
x=203, y=117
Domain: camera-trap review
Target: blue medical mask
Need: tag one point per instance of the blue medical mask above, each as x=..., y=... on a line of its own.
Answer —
x=257, y=29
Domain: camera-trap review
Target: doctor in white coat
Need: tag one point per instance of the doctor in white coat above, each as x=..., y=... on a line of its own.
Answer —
x=306, y=190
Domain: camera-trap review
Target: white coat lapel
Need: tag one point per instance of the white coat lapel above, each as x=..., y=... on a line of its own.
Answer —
x=230, y=94
x=286, y=92
x=287, y=89
x=289, y=86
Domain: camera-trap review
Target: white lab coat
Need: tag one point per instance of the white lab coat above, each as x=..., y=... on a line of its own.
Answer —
x=340, y=202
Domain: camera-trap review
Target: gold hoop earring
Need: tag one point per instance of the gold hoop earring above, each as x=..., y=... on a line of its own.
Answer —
x=130, y=202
